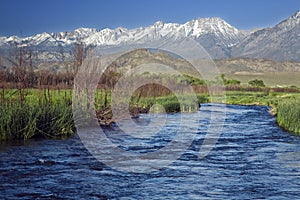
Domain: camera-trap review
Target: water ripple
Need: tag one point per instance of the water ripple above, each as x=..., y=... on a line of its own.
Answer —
x=253, y=159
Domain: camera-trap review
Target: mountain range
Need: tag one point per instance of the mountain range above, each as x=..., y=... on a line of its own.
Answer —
x=220, y=39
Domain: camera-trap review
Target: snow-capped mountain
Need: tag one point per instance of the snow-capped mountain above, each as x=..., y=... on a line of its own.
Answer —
x=214, y=34
x=281, y=42
x=220, y=39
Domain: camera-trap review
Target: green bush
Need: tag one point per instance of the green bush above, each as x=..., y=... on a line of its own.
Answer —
x=257, y=83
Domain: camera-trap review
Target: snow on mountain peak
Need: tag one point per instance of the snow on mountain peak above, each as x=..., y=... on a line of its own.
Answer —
x=121, y=29
x=296, y=15
x=219, y=38
x=13, y=39
x=289, y=23
x=294, y=19
x=226, y=34
x=91, y=36
x=159, y=24
x=84, y=31
x=211, y=29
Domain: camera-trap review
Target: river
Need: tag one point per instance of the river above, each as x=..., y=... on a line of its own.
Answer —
x=253, y=159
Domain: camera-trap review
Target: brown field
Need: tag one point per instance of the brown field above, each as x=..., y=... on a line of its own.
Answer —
x=272, y=79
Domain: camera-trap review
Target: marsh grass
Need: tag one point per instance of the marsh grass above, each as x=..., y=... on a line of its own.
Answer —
x=286, y=106
x=46, y=114
x=172, y=103
x=288, y=114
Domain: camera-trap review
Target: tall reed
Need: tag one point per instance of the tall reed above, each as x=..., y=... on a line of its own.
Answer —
x=288, y=115
x=45, y=117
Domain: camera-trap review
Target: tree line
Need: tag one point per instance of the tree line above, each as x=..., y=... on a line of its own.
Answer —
x=20, y=72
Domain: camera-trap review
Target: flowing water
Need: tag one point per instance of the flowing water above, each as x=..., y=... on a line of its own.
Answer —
x=253, y=159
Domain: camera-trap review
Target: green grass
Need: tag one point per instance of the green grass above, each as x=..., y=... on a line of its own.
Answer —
x=251, y=98
x=24, y=121
x=48, y=113
x=42, y=113
x=172, y=103
x=288, y=114
x=285, y=105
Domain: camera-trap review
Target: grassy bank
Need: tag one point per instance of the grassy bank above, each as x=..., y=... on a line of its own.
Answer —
x=24, y=121
x=48, y=113
x=45, y=113
x=41, y=113
x=171, y=103
x=286, y=106
x=288, y=115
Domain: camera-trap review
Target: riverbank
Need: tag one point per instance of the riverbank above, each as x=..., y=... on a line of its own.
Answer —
x=48, y=113
x=38, y=114
x=284, y=106
x=288, y=115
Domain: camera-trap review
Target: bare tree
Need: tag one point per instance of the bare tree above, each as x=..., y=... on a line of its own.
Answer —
x=79, y=54
x=72, y=64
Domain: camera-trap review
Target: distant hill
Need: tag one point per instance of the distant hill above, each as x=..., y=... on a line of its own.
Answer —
x=281, y=42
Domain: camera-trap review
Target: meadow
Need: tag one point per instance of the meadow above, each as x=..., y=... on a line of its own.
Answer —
x=45, y=112
x=283, y=79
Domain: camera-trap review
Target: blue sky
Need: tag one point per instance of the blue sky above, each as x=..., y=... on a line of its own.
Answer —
x=28, y=17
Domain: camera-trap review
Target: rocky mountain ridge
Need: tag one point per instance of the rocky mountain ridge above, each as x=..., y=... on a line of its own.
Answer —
x=220, y=39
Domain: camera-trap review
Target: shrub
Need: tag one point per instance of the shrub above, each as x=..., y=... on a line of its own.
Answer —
x=257, y=83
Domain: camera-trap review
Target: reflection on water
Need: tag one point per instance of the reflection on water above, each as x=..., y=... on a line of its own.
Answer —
x=252, y=159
